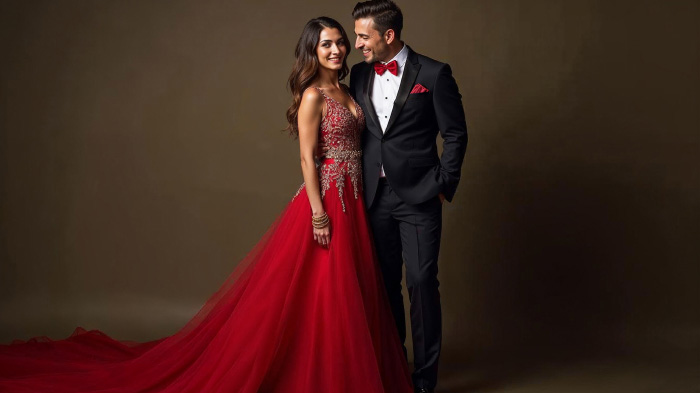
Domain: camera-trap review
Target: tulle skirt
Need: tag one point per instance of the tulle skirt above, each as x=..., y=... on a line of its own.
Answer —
x=292, y=317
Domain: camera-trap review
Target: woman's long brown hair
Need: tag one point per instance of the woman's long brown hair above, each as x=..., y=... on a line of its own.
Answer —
x=306, y=64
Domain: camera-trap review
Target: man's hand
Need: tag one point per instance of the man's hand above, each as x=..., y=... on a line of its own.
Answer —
x=321, y=150
x=442, y=197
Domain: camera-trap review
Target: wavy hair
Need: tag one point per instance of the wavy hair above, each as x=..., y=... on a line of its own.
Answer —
x=306, y=65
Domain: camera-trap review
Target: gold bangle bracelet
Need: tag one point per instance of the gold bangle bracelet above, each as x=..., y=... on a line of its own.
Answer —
x=320, y=226
x=320, y=218
x=321, y=221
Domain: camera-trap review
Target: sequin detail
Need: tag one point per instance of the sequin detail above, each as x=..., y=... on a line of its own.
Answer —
x=340, y=131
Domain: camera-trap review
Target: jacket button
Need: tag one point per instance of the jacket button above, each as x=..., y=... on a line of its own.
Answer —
x=379, y=164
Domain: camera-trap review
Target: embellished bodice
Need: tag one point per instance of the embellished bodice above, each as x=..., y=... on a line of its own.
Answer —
x=340, y=132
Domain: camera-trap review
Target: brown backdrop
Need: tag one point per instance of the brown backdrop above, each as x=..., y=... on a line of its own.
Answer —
x=141, y=158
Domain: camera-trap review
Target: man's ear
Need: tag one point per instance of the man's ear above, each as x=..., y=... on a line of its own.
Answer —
x=390, y=36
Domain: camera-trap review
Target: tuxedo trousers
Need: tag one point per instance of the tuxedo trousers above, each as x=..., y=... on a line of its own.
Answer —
x=410, y=234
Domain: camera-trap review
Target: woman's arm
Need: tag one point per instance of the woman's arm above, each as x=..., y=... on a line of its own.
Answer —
x=309, y=120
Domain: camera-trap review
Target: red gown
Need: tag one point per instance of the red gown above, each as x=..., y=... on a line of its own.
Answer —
x=292, y=317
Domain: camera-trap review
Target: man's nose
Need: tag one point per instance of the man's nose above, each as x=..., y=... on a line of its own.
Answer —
x=357, y=43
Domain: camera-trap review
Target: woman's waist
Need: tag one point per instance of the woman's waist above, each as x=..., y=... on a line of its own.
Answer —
x=341, y=154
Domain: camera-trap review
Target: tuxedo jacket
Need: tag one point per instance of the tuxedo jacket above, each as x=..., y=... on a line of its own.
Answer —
x=408, y=148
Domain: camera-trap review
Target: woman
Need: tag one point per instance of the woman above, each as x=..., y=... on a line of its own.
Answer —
x=305, y=311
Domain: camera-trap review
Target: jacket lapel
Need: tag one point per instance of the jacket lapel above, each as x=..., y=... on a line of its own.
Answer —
x=369, y=79
x=410, y=72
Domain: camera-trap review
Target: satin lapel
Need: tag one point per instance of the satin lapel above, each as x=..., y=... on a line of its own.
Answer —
x=369, y=79
x=409, y=77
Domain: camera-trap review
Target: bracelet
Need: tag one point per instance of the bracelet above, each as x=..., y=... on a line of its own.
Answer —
x=321, y=221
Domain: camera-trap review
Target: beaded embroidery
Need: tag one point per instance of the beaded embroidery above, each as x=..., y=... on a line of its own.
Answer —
x=340, y=131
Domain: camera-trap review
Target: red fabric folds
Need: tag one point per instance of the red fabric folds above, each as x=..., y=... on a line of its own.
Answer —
x=292, y=317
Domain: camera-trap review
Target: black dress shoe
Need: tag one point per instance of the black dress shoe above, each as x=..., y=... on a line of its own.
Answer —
x=424, y=390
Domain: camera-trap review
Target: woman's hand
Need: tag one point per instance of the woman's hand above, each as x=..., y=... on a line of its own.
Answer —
x=323, y=235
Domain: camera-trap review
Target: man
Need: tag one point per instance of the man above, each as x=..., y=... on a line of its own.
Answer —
x=407, y=98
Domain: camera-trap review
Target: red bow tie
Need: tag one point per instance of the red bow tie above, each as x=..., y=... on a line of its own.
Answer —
x=392, y=66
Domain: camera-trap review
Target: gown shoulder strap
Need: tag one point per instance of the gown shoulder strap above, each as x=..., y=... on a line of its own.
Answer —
x=320, y=90
x=326, y=100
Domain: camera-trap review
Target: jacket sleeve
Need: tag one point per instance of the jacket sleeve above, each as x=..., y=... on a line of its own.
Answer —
x=453, y=128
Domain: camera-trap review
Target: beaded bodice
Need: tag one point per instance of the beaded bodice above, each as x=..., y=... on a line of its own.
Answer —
x=340, y=132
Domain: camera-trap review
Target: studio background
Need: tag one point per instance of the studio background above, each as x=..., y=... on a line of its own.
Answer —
x=141, y=157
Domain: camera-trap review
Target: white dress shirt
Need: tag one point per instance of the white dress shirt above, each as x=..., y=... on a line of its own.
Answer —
x=384, y=91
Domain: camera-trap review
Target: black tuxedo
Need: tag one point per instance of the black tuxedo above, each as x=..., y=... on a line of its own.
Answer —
x=404, y=209
x=408, y=149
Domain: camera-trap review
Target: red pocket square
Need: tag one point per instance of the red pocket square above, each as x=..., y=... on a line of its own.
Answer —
x=419, y=89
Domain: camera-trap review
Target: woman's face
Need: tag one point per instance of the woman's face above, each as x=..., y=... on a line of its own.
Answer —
x=332, y=49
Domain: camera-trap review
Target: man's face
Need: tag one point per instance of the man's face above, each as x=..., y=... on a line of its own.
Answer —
x=370, y=42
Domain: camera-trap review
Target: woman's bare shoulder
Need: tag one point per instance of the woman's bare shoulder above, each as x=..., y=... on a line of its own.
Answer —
x=311, y=100
x=312, y=95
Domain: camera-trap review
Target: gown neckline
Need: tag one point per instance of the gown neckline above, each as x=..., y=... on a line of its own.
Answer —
x=357, y=118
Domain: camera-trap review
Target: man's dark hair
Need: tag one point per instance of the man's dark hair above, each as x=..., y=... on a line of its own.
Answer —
x=385, y=14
